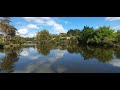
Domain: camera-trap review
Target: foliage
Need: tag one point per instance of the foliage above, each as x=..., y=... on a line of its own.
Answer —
x=8, y=62
x=101, y=36
x=86, y=35
x=43, y=36
x=8, y=30
x=118, y=36
x=73, y=32
x=44, y=49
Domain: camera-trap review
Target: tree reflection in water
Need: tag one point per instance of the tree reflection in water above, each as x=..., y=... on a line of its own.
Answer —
x=102, y=54
x=8, y=62
x=88, y=52
x=117, y=52
x=44, y=49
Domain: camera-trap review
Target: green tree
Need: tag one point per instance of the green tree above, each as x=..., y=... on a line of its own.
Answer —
x=44, y=49
x=73, y=32
x=18, y=39
x=8, y=62
x=86, y=34
x=118, y=36
x=100, y=53
x=104, y=35
x=43, y=36
x=8, y=30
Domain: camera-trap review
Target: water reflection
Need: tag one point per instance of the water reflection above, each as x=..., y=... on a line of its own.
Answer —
x=102, y=54
x=54, y=58
x=44, y=49
x=115, y=62
x=42, y=64
x=7, y=62
x=117, y=52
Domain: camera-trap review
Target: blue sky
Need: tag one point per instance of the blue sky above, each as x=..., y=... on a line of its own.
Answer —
x=28, y=26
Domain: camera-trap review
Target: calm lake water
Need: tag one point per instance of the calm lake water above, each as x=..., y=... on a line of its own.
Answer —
x=60, y=59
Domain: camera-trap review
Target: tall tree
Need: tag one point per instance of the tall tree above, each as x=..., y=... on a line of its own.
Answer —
x=43, y=36
x=86, y=34
x=8, y=30
x=104, y=35
x=73, y=32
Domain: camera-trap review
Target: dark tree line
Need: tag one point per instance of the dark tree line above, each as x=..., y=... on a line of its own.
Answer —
x=103, y=36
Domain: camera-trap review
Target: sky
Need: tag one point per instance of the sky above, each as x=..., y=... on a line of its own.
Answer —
x=29, y=26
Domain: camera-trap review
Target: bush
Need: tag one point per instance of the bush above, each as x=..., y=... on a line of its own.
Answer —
x=12, y=46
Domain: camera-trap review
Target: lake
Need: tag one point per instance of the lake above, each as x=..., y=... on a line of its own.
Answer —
x=48, y=58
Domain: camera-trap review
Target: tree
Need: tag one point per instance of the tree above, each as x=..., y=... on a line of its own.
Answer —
x=8, y=62
x=8, y=30
x=117, y=39
x=104, y=35
x=44, y=49
x=86, y=34
x=73, y=32
x=43, y=36
x=102, y=54
x=19, y=40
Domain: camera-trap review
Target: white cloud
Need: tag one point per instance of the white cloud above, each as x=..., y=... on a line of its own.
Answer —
x=43, y=66
x=38, y=20
x=23, y=31
x=59, y=54
x=24, y=53
x=112, y=18
x=45, y=18
x=115, y=62
x=32, y=26
x=58, y=28
x=46, y=21
x=27, y=30
x=28, y=55
x=50, y=22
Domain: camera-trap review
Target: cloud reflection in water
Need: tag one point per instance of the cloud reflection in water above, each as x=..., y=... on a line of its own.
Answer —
x=41, y=66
